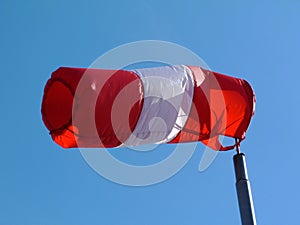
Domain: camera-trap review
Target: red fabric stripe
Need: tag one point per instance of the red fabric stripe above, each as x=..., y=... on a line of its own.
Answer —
x=222, y=105
x=58, y=102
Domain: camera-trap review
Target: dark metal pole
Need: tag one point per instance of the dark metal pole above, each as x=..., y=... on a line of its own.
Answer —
x=243, y=190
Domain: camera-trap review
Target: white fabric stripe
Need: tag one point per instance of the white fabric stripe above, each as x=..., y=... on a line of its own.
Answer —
x=168, y=94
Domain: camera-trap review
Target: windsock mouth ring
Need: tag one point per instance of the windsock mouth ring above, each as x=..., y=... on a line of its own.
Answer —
x=57, y=105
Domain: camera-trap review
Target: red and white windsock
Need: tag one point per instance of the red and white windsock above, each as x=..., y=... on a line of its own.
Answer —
x=90, y=108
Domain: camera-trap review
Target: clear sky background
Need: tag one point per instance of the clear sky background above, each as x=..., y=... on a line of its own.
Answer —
x=42, y=184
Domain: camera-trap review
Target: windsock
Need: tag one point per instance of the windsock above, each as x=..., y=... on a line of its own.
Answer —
x=100, y=108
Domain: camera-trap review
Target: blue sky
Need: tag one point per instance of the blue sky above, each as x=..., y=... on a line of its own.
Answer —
x=42, y=184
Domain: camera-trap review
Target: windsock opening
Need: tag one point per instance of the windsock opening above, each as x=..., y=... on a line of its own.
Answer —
x=57, y=106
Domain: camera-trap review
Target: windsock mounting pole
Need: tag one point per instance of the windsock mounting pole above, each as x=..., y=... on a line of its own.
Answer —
x=243, y=190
